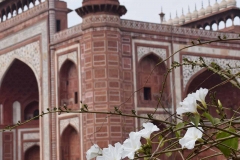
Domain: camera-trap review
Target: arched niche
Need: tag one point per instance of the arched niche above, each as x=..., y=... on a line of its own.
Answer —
x=150, y=79
x=227, y=93
x=18, y=84
x=16, y=112
x=32, y=153
x=68, y=92
x=70, y=144
x=31, y=110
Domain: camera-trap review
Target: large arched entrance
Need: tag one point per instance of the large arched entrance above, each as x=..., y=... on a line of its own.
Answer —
x=70, y=144
x=227, y=93
x=19, y=87
x=69, y=85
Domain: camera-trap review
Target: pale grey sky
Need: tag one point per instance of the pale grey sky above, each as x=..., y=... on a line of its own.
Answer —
x=146, y=10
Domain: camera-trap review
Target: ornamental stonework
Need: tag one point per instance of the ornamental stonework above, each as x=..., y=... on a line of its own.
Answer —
x=29, y=54
x=188, y=71
x=101, y=19
x=71, y=56
x=28, y=145
x=142, y=51
x=72, y=121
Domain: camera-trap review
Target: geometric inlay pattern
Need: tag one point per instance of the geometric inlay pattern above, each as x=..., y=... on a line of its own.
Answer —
x=72, y=121
x=30, y=54
x=188, y=72
x=27, y=145
x=141, y=51
x=71, y=56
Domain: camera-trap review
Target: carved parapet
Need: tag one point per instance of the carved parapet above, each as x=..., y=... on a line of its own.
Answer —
x=102, y=20
x=67, y=33
x=153, y=27
x=24, y=16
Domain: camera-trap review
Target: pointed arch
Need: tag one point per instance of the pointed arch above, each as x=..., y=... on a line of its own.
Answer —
x=227, y=93
x=68, y=79
x=70, y=144
x=18, y=84
x=150, y=79
x=8, y=65
x=32, y=152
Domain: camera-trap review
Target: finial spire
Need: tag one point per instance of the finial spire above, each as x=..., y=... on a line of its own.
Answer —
x=195, y=7
x=188, y=9
x=182, y=12
x=209, y=2
x=202, y=4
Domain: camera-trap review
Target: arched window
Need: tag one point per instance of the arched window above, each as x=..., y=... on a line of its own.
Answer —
x=16, y=112
x=31, y=110
x=69, y=85
x=152, y=84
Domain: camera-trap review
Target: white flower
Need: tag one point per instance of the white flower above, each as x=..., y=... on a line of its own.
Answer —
x=191, y=136
x=149, y=128
x=189, y=104
x=112, y=153
x=200, y=95
x=93, y=152
x=131, y=145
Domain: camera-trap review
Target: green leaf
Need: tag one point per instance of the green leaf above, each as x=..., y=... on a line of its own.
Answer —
x=229, y=143
x=178, y=126
x=214, y=121
x=195, y=119
x=168, y=154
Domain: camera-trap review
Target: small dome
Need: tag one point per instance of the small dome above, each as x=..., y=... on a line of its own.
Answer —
x=223, y=5
x=170, y=21
x=182, y=18
x=209, y=8
x=231, y=3
x=195, y=13
x=201, y=12
x=215, y=7
x=188, y=17
x=176, y=20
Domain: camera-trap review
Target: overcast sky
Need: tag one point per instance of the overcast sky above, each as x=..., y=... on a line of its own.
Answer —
x=146, y=10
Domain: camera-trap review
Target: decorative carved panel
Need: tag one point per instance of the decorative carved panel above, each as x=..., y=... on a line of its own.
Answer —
x=141, y=51
x=188, y=72
x=72, y=121
x=71, y=56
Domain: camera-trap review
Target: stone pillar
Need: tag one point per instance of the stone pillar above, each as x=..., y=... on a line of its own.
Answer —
x=101, y=70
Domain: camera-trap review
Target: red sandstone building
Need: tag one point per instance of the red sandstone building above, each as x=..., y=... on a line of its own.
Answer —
x=101, y=62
